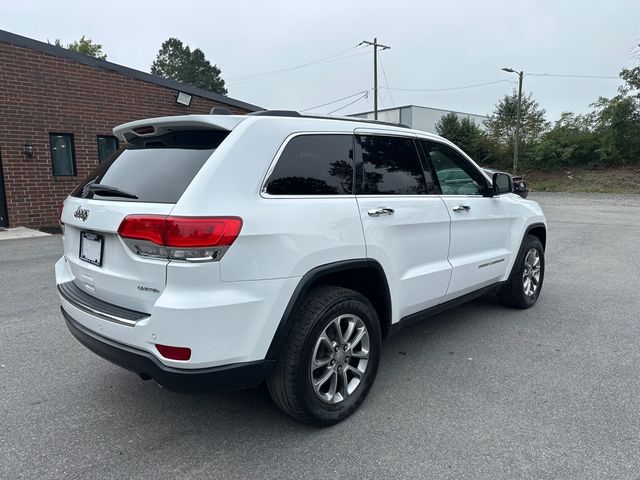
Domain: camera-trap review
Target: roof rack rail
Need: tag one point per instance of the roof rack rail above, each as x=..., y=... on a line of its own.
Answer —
x=275, y=113
x=220, y=111
x=293, y=113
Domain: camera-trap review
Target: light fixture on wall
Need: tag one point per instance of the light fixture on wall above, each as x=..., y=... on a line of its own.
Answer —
x=183, y=99
x=28, y=149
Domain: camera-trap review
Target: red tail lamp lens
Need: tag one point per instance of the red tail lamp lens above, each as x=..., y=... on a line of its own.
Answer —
x=174, y=353
x=60, y=209
x=182, y=232
x=143, y=227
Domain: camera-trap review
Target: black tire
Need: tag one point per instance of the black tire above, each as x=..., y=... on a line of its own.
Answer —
x=513, y=293
x=290, y=383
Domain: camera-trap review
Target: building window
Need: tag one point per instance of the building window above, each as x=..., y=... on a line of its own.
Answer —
x=63, y=155
x=107, y=146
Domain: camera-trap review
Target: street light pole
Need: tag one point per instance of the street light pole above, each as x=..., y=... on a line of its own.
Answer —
x=516, y=140
x=375, y=46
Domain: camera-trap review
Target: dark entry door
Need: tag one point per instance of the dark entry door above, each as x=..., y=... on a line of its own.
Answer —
x=4, y=219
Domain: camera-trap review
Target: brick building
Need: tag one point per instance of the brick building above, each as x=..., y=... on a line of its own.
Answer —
x=57, y=110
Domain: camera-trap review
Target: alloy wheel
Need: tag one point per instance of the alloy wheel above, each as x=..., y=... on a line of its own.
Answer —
x=531, y=272
x=340, y=358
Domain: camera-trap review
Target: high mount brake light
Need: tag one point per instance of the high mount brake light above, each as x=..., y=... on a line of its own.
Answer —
x=183, y=238
x=144, y=130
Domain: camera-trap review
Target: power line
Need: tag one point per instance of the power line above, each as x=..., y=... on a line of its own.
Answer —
x=337, y=54
x=366, y=95
x=568, y=75
x=384, y=73
x=334, y=101
x=280, y=72
x=447, y=89
x=260, y=76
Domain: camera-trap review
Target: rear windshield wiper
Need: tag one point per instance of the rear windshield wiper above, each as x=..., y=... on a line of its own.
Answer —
x=110, y=191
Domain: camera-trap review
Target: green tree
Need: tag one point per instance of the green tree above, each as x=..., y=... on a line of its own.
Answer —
x=465, y=133
x=501, y=129
x=609, y=135
x=86, y=46
x=632, y=77
x=618, y=126
x=617, y=121
x=573, y=141
x=178, y=62
x=501, y=124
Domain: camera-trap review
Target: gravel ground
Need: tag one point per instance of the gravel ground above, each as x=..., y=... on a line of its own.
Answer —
x=478, y=392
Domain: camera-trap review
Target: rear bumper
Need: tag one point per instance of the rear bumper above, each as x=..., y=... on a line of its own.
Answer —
x=201, y=380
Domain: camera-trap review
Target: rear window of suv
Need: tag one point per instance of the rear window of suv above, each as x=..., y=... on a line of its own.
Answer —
x=153, y=169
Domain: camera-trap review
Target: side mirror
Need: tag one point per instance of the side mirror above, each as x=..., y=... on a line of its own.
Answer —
x=502, y=183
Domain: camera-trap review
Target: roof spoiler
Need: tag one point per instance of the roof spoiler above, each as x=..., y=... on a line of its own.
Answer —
x=152, y=127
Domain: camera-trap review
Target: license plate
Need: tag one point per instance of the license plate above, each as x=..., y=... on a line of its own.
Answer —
x=91, y=248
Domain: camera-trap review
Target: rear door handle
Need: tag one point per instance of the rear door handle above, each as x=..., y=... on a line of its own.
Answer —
x=462, y=208
x=376, y=212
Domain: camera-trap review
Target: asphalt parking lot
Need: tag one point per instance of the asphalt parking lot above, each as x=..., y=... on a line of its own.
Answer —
x=478, y=392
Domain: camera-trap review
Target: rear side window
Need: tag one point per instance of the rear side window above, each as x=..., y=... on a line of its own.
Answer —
x=314, y=165
x=391, y=166
x=156, y=169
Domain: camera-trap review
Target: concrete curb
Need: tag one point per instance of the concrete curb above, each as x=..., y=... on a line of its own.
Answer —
x=20, y=232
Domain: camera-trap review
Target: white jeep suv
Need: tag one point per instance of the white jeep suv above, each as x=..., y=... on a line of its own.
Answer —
x=215, y=252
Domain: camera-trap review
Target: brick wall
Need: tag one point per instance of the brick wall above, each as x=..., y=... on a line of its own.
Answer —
x=41, y=93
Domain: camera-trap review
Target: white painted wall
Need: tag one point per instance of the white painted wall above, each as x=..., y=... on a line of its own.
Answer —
x=420, y=118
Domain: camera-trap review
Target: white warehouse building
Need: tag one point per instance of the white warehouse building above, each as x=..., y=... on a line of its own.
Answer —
x=419, y=118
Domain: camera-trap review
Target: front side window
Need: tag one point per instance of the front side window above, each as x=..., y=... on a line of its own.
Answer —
x=391, y=166
x=455, y=174
x=314, y=165
x=107, y=146
x=63, y=155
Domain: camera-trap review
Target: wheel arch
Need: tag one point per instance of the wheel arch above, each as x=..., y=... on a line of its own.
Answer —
x=538, y=230
x=365, y=276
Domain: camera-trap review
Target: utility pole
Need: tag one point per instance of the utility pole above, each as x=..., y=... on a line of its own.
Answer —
x=375, y=46
x=516, y=140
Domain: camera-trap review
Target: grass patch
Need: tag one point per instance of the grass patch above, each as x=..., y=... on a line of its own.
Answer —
x=610, y=180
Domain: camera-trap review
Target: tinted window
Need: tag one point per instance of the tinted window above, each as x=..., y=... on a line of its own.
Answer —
x=63, y=155
x=314, y=165
x=156, y=169
x=391, y=166
x=455, y=174
x=107, y=146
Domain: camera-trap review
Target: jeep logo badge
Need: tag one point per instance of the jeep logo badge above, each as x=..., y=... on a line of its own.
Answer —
x=81, y=213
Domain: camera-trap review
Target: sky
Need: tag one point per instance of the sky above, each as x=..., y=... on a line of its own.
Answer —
x=435, y=45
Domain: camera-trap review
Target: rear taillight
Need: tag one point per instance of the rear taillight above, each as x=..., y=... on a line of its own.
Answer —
x=60, y=208
x=181, y=238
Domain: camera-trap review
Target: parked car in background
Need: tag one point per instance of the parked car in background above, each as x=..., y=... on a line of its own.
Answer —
x=519, y=183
